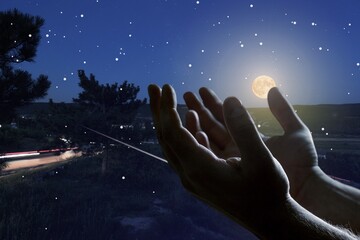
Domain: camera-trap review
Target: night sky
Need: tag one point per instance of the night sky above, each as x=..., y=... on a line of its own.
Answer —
x=310, y=48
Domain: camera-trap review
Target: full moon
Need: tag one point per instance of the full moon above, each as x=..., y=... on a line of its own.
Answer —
x=261, y=86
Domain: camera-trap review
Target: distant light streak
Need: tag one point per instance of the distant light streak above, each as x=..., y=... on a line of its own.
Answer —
x=19, y=155
x=128, y=145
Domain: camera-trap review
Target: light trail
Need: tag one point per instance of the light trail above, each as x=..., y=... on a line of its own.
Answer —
x=126, y=144
x=21, y=154
x=36, y=162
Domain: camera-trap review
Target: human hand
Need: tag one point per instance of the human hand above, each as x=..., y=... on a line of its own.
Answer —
x=295, y=149
x=206, y=122
x=252, y=190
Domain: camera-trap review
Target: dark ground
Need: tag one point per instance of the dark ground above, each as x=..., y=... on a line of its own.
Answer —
x=136, y=198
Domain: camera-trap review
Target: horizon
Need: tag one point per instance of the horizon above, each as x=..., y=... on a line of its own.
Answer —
x=184, y=105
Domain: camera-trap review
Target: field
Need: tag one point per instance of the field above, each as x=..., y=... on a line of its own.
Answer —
x=135, y=198
x=122, y=194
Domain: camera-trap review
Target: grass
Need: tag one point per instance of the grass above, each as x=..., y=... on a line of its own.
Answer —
x=77, y=201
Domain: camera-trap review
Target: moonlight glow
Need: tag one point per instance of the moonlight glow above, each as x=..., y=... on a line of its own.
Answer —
x=261, y=86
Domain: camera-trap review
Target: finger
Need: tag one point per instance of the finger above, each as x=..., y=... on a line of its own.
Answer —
x=264, y=137
x=216, y=131
x=243, y=130
x=178, y=138
x=283, y=111
x=169, y=117
x=200, y=166
x=213, y=103
x=192, y=122
x=193, y=126
x=202, y=138
x=273, y=144
x=155, y=94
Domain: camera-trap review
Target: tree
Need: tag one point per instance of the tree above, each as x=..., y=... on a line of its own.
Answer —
x=108, y=105
x=19, y=39
x=113, y=102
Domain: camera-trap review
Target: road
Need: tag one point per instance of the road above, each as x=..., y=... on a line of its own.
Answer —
x=37, y=162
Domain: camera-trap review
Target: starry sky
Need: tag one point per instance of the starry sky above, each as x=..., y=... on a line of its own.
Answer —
x=311, y=48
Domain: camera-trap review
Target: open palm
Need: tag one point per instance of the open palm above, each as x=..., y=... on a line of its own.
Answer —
x=251, y=189
x=294, y=149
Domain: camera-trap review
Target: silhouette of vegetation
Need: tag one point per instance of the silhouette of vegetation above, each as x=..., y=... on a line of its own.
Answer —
x=107, y=104
x=105, y=98
x=19, y=39
x=9, y=138
x=109, y=108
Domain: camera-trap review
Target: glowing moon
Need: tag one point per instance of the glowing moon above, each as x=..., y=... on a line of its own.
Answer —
x=261, y=86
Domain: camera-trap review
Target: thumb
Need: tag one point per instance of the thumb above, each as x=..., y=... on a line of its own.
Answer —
x=283, y=111
x=244, y=132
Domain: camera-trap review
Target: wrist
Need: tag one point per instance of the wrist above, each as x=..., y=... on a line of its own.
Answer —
x=282, y=222
x=273, y=222
x=331, y=200
x=292, y=221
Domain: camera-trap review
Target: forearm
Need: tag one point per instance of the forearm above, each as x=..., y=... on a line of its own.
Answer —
x=331, y=200
x=295, y=222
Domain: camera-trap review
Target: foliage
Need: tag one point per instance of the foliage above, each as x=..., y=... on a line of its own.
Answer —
x=8, y=137
x=19, y=39
x=108, y=98
x=109, y=107
x=60, y=120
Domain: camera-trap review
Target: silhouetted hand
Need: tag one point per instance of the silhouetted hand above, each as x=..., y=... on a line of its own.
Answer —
x=252, y=189
x=233, y=170
x=294, y=149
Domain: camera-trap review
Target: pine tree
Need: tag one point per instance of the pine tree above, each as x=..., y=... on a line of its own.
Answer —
x=111, y=100
x=19, y=39
x=108, y=105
